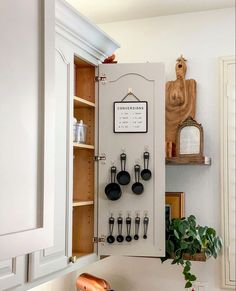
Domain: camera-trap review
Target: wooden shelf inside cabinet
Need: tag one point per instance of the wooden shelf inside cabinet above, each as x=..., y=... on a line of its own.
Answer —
x=83, y=146
x=80, y=103
x=188, y=161
x=82, y=203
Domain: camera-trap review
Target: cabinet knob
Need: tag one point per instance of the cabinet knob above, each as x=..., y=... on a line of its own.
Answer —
x=72, y=259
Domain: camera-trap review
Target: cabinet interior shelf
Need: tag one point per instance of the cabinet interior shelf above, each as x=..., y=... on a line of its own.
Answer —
x=188, y=161
x=83, y=146
x=82, y=203
x=80, y=102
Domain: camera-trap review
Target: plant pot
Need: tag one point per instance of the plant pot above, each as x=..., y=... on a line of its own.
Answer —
x=201, y=257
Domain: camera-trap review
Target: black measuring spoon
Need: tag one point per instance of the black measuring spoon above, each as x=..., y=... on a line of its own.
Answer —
x=111, y=238
x=128, y=238
x=146, y=174
x=145, y=226
x=137, y=187
x=113, y=190
x=123, y=177
x=120, y=237
x=137, y=224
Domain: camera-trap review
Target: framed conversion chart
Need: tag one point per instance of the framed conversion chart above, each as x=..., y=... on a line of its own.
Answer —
x=131, y=117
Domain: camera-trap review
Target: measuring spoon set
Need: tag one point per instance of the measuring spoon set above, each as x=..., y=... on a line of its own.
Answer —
x=128, y=221
x=113, y=189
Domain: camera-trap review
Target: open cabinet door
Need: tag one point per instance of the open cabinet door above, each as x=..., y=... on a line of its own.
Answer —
x=27, y=30
x=133, y=125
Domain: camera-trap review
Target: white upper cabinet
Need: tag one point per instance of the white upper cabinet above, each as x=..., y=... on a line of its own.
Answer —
x=27, y=32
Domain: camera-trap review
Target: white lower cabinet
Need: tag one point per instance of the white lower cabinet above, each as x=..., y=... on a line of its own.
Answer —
x=12, y=273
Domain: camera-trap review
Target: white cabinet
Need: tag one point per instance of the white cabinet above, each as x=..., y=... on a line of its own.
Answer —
x=12, y=272
x=55, y=258
x=26, y=126
x=82, y=210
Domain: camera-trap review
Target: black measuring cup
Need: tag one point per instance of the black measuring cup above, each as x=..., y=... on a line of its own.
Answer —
x=146, y=174
x=137, y=187
x=123, y=177
x=113, y=190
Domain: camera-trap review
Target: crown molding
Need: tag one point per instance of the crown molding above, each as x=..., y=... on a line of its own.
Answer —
x=80, y=31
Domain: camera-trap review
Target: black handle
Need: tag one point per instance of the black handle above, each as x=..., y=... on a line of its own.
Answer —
x=145, y=226
x=146, y=157
x=137, y=172
x=137, y=224
x=128, y=228
x=113, y=174
x=120, y=237
x=111, y=225
x=123, y=161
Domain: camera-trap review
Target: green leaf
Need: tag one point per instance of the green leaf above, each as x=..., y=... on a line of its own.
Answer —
x=188, y=284
x=192, y=278
x=186, y=269
x=176, y=233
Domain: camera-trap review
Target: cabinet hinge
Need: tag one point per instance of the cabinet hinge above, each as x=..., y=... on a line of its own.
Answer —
x=102, y=79
x=98, y=239
x=100, y=158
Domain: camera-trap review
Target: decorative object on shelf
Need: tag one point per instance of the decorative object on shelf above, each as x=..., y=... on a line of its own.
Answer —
x=130, y=116
x=174, y=205
x=189, y=139
x=185, y=241
x=110, y=60
x=180, y=100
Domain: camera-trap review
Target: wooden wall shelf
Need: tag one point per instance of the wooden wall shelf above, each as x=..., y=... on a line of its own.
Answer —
x=188, y=161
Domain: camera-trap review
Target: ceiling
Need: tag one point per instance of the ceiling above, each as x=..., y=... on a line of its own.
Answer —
x=103, y=11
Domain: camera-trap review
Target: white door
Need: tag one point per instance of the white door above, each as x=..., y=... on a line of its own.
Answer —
x=50, y=260
x=27, y=32
x=137, y=219
x=12, y=272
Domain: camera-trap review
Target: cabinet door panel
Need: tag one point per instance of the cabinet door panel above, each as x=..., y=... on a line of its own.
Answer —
x=147, y=82
x=26, y=126
x=55, y=258
x=11, y=273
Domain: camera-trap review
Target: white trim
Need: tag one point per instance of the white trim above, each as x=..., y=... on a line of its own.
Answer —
x=224, y=63
x=81, y=32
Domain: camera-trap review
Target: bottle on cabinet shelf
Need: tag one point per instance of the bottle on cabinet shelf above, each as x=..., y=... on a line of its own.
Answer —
x=80, y=132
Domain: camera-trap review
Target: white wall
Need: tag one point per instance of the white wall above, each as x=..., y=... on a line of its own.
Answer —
x=201, y=38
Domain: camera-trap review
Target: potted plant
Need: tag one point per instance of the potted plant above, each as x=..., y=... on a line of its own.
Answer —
x=186, y=241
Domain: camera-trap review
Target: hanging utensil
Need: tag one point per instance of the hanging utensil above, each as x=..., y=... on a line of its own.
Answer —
x=113, y=190
x=137, y=187
x=145, y=226
x=120, y=237
x=111, y=238
x=137, y=224
x=146, y=174
x=128, y=238
x=123, y=177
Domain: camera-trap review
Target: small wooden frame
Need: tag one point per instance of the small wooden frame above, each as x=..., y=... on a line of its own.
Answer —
x=174, y=205
x=190, y=139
